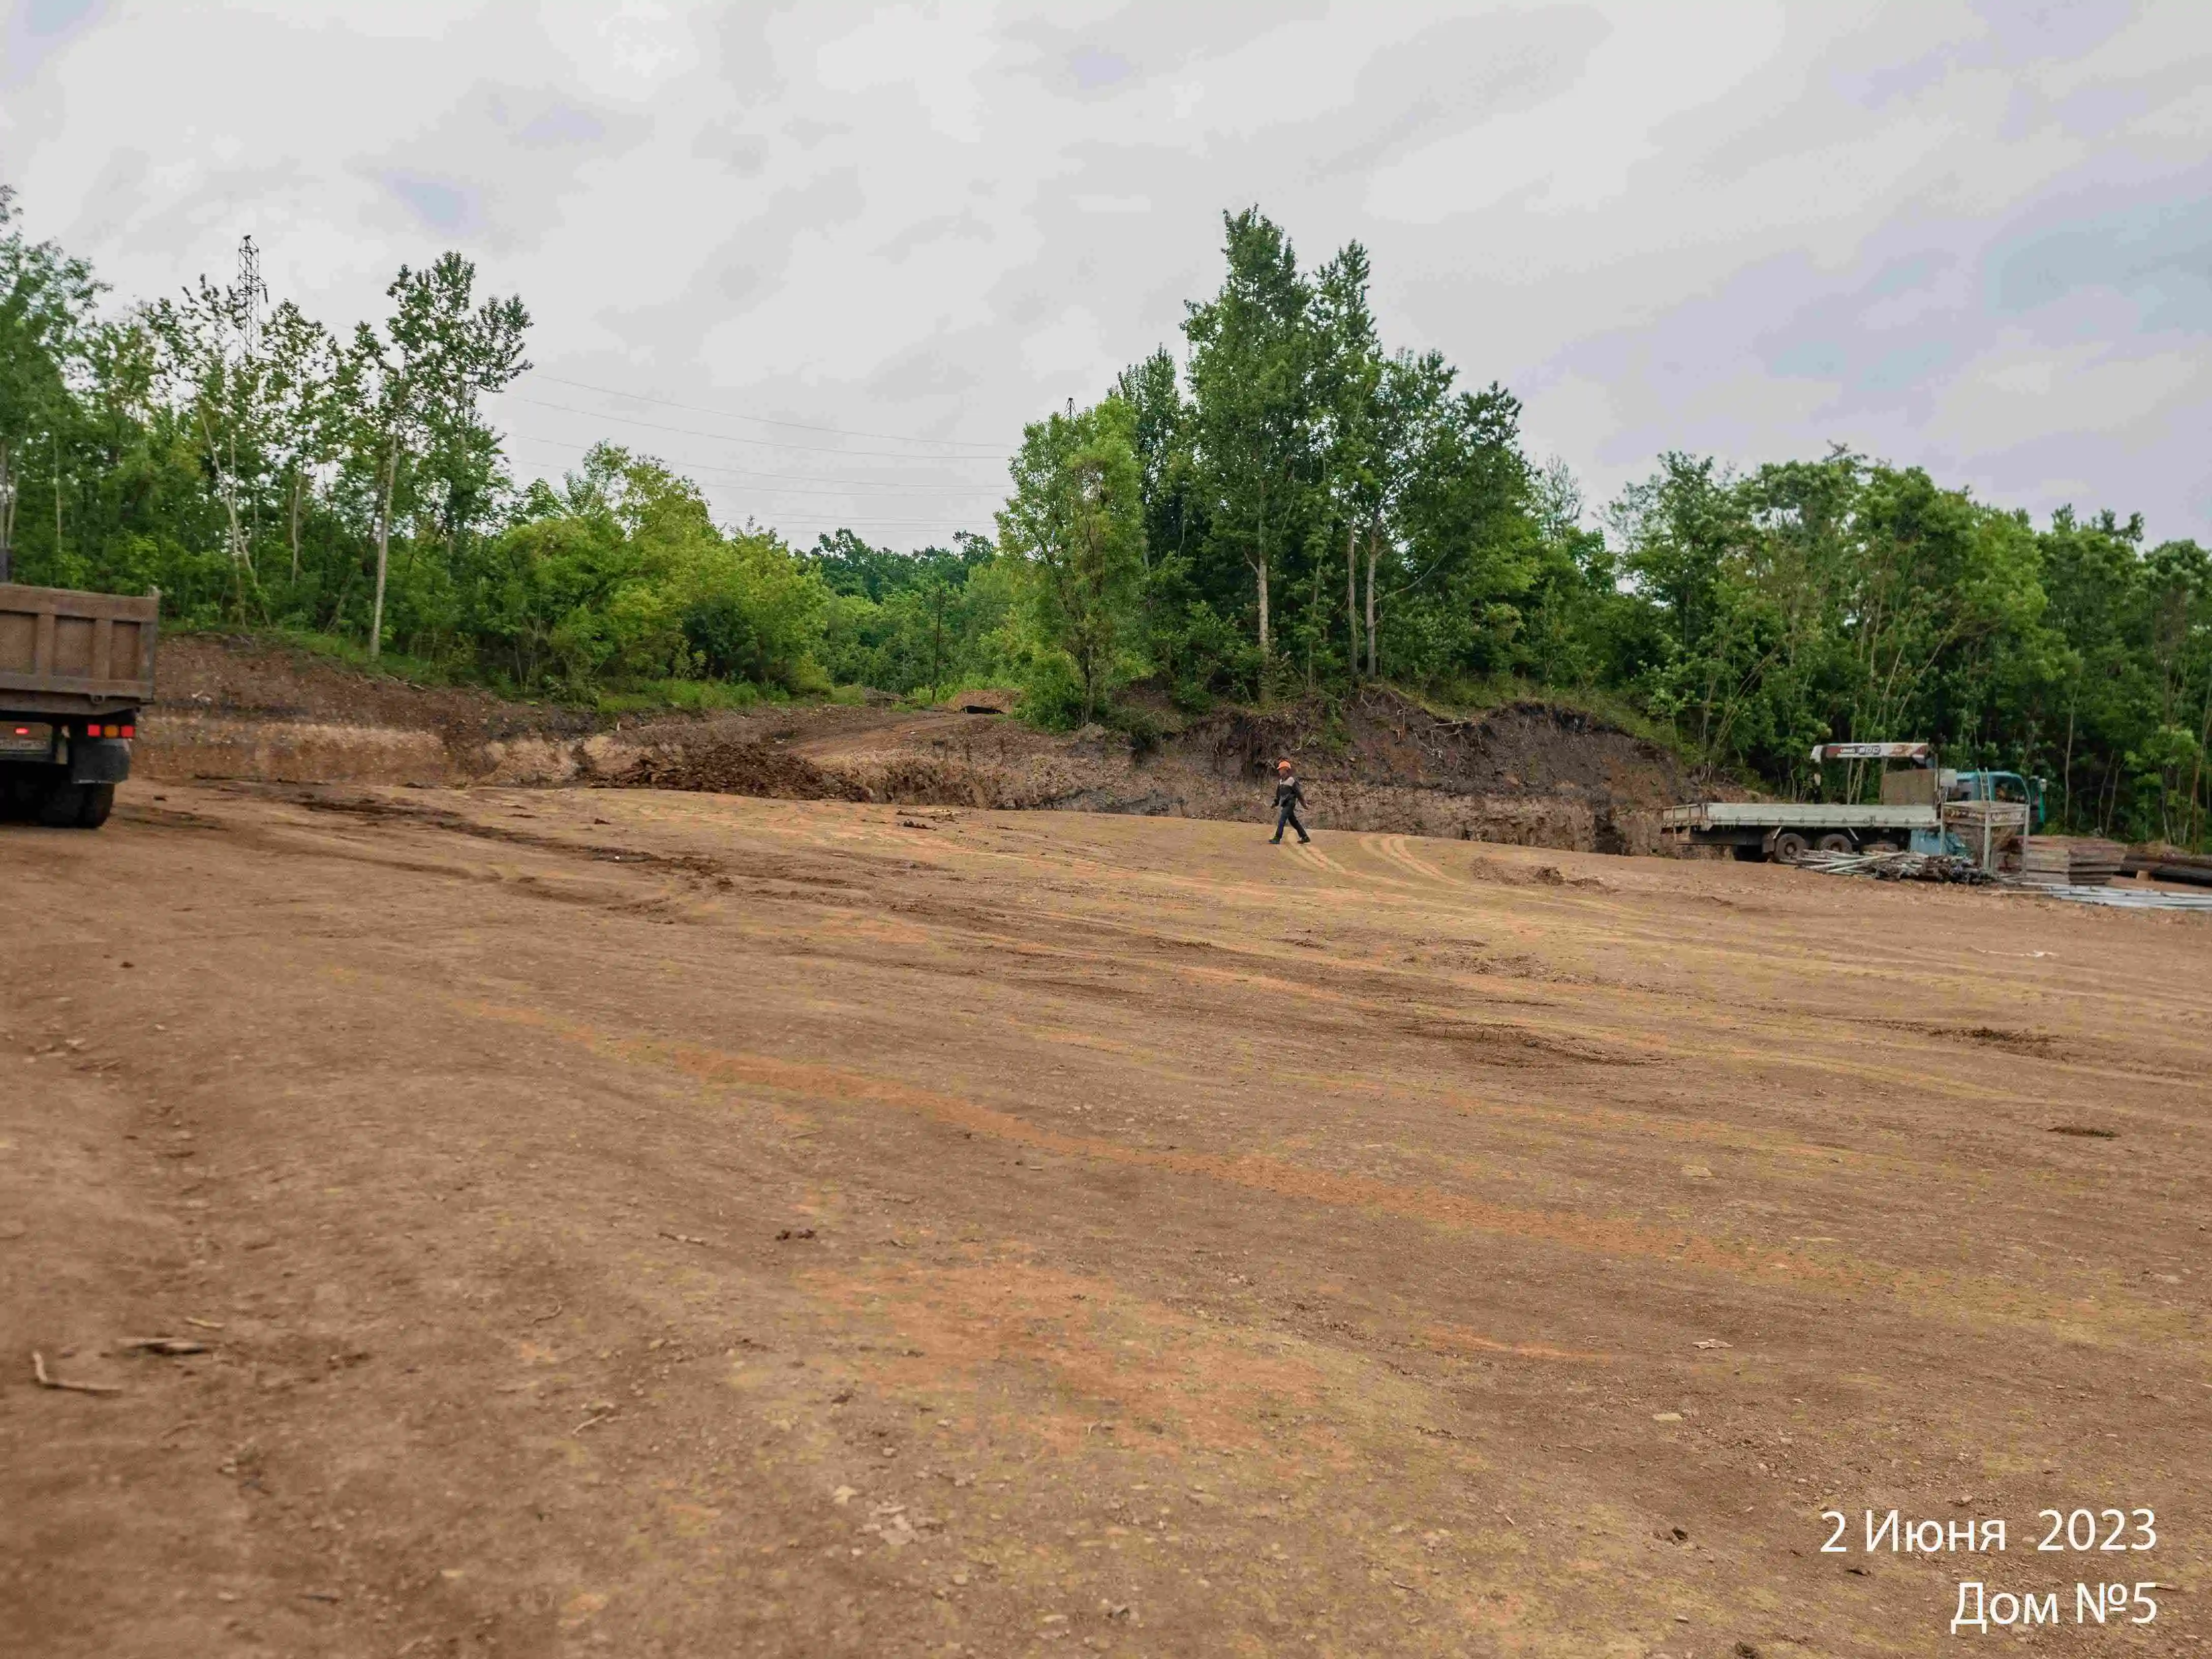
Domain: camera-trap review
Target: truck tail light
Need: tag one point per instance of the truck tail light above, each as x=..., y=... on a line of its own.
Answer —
x=130, y=731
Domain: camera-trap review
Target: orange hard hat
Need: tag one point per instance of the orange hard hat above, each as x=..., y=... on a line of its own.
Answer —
x=1282, y=765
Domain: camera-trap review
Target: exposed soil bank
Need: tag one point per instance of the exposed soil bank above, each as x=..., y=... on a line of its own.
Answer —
x=1530, y=773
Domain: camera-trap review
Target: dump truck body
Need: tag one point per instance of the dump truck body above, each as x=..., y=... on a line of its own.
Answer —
x=75, y=671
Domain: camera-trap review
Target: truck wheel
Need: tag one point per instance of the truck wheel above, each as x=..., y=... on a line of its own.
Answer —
x=99, y=802
x=1835, y=842
x=1789, y=847
x=59, y=808
x=1748, y=852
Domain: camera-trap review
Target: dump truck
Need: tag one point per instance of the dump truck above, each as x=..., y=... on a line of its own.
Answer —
x=75, y=670
x=1923, y=808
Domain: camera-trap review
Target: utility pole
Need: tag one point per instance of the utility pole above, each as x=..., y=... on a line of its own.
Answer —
x=252, y=291
x=256, y=292
x=247, y=298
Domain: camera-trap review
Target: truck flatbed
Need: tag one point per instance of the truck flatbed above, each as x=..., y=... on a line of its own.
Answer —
x=1807, y=814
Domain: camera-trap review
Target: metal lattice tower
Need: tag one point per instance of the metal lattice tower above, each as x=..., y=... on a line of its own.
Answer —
x=250, y=287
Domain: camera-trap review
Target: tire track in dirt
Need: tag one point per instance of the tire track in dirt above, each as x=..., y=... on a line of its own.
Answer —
x=1394, y=849
x=1960, y=1299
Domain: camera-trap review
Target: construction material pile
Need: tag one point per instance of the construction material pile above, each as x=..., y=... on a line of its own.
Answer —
x=1891, y=865
x=2123, y=898
x=2070, y=861
x=2163, y=863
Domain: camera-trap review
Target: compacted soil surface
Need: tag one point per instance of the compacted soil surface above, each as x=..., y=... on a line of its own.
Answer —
x=591, y=1220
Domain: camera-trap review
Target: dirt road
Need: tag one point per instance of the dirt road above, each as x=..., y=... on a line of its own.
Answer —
x=652, y=1224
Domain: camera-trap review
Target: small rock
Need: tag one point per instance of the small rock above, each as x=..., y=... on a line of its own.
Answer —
x=1666, y=1416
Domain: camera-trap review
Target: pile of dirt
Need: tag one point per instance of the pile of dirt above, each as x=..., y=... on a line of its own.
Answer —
x=728, y=763
x=1529, y=772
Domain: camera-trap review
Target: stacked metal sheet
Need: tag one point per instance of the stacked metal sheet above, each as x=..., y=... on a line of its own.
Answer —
x=2069, y=861
x=2125, y=898
x=2091, y=862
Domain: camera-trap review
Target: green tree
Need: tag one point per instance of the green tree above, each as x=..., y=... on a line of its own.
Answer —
x=213, y=376
x=1077, y=514
x=46, y=302
x=1252, y=356
x=414, y=391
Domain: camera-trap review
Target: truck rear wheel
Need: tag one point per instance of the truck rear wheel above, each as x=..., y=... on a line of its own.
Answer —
x=66, y=806
x=1789, y=846
x=1835, y=842
x=59, y=808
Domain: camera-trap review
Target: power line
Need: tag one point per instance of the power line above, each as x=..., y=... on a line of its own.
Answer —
x=734, y=475
x=769, y=421
x=810, y=516
x=726, y=438
x=765, y=420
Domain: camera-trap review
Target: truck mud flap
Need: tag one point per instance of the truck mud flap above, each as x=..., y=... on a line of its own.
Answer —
x=99, y=759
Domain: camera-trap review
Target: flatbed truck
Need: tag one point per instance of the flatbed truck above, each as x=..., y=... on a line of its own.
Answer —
x=75, y=671
x=1923, y=809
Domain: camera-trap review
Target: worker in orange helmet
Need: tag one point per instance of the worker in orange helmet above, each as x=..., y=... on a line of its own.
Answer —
x=1289, y=797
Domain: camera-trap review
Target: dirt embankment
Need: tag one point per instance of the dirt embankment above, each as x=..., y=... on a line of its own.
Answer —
x=1529, y=772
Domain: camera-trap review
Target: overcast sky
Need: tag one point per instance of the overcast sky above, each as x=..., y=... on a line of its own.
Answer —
x=1974, y=237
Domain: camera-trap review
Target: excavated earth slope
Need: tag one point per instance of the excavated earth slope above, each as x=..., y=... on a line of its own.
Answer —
x=1530, y=773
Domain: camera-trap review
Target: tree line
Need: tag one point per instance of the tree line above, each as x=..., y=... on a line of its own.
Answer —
x=1282, y=507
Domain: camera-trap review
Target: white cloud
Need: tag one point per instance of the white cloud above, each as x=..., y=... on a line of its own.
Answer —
x=936, y=54
x=1749, y=225
x=2021, y=391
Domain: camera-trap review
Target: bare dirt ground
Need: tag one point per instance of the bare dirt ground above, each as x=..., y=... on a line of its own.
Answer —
x=648, y=1224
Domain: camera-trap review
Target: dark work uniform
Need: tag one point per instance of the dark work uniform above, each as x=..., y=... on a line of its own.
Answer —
x=1288, y=799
